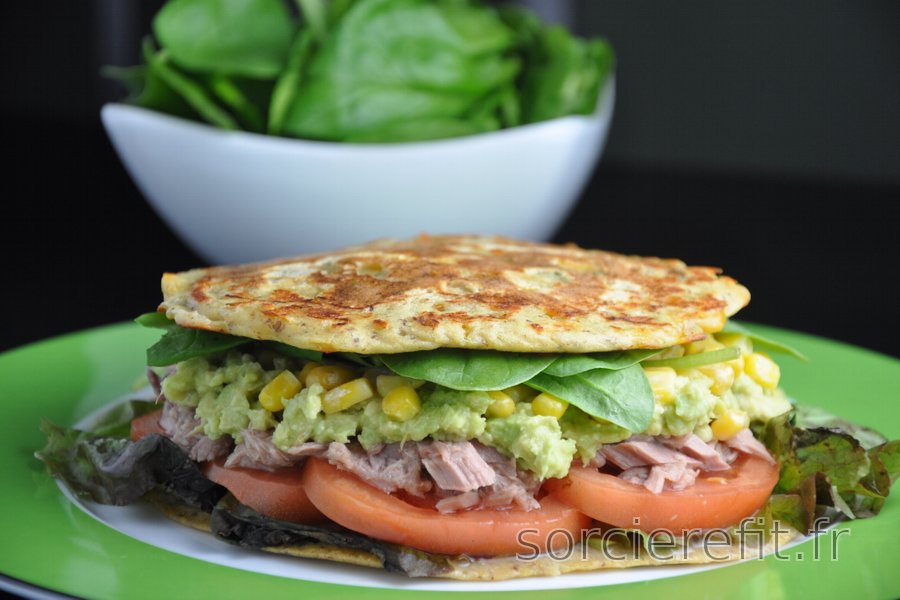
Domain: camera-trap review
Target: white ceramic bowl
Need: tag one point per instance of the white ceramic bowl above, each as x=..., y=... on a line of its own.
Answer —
x=239, y=197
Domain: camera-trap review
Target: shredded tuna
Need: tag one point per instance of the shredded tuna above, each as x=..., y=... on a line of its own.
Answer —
x=457, y=502
x=673, y=463
x=693, y=446
x=307, y=449
x=183, y=428
x=257, y=451
x=456, y=466
x=672, y=476
x=511, y=486
x=597, y=462
x=640, y=453
x=746, y=443
x=393, y=467
x=729, y=455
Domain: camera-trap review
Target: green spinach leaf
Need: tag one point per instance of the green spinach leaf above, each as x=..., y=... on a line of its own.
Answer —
x=468, y=370
x=155, y=320
x=180, y=343
x=147, y=90
x=289, y=81
x=563, y=75
x=388, y=61
x=761, y=342
x=621, y=396
x=697, y=360
x=229, y=91
x=227, y=37
x=193, y=93
x=572, y=364
x=294, y=352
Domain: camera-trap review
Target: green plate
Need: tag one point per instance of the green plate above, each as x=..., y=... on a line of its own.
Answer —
x=49, y=543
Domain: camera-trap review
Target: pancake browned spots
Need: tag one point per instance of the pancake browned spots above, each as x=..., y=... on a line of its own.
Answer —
x=456, y=291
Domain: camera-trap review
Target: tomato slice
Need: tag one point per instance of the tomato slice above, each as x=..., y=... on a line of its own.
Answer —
x=718, y=499
x=145, y=425
x=346, y=499
x=278, y=494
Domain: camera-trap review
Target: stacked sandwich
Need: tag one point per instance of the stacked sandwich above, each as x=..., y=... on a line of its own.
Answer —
x=408, y=403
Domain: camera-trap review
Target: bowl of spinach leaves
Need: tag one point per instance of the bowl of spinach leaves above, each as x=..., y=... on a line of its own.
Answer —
x=259, y=128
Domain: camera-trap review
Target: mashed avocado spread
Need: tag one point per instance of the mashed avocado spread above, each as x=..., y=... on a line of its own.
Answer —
x=225, y=390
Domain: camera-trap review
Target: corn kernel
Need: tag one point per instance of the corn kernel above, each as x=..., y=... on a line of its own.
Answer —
x=736, y=339
x=329, y=376
x=346, y=395
x=401, y=403
x=707, y=344
x=722, y=375
x=712, y=323
x=521, y=393
x=763, y=370
x=302, y=373
x=502, y=406
x=662, y=382
x=729, y=425
x=285, y=385
x=548, y=405
x=385, y=383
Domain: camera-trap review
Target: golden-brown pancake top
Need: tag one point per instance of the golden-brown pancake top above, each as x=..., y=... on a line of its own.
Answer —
x=461, y=292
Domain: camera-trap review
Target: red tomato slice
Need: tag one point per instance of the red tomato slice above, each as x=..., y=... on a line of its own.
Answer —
x=719, y=499
x=349, y=501
x=278, y=494
x=145, y=425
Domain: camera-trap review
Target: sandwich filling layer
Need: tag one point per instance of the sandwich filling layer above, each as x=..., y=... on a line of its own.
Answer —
x=259, y=409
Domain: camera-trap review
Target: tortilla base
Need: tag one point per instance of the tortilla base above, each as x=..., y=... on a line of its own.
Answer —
x=582, y=558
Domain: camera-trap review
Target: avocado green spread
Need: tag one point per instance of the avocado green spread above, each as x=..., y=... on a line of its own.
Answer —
x=225, y=390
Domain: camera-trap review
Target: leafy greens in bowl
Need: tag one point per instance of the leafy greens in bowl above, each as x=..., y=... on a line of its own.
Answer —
x=364, y=70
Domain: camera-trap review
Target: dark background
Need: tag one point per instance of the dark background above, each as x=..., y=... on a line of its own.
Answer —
x=761, y=136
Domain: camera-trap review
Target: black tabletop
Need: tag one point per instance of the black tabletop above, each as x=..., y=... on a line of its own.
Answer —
x=81, y=247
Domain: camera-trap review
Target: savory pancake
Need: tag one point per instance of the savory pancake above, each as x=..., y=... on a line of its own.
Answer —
x=484, y=293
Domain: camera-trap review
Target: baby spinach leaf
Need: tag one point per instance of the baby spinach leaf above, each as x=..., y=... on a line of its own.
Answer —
x=468, y=370
x=697, y=360
x=572, y=364
x=294, y=352
x=316, y=14
x=289, y=81
x=422, y=129
x=563, y=75
x=180, y=344
x=147, y=90
x=227, y=90
x=761, y=342
x=155, y=320
x=227, y=37
x=363, y=360
x=386, y=61
x=193, y=93
x=621, y=396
